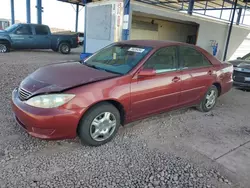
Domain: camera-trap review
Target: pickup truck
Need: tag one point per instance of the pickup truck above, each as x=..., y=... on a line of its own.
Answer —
x=34, y=36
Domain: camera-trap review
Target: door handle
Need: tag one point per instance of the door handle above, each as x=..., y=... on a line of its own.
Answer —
x=30, y=37
x=176, y=79
x=210, y=72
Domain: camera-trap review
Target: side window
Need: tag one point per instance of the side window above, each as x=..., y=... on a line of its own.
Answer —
x=191, y=58
x=41, y=30
x=164, y=60
x=24, y=30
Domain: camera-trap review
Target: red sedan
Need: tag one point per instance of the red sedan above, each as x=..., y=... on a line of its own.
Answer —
x=123, y=82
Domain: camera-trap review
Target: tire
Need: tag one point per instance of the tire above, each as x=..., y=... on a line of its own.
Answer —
x=204, y=104
x=64, y=48
x=88, y=129
x=4, y=47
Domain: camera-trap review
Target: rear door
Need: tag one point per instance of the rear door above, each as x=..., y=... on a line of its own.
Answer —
x=42, y=37
x=151, y=94
x=197, y=75
x=23, y=37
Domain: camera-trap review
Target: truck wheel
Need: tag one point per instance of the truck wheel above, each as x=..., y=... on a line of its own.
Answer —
x=99, y=125
x=64, y=48
x=4, y=47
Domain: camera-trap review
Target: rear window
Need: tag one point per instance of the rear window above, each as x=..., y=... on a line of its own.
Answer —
x=41, y=30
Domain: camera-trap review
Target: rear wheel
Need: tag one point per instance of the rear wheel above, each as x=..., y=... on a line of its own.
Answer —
x=209, y=101
x=4, y=47
x=64, y=48
x=99, y=125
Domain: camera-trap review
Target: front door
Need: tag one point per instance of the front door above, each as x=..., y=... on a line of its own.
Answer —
x=197, y=75
x=43, y=37
x=152, y=94
x=22, y=38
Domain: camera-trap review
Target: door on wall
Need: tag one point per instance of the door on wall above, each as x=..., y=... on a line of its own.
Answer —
x=144, y=31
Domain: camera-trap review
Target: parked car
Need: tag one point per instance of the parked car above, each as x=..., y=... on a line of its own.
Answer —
x=34, y=36
x=81, y=38
x=121, y=83
x=241, y=75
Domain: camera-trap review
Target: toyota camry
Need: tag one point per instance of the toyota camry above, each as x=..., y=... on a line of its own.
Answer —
x=121, y=83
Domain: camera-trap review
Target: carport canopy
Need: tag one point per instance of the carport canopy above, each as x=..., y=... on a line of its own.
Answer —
x=201, y=7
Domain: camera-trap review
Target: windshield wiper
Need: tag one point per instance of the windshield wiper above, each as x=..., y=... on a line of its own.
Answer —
x=99, y=68
x=92, y=66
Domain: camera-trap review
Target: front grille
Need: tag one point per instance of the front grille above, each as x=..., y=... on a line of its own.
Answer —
x=241, y=74
x=23, y=94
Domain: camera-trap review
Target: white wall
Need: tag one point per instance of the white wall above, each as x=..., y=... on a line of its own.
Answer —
x=208, y=30
x=166, y=30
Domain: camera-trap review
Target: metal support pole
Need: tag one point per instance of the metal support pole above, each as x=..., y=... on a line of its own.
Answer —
x=12, y=11
x=85, y=25
x=205, y=8
x=28, y=11
x=222, y=7
x=125, y=32
x=231, y=12
x=239, y=16
x=39, y=11
x=244, y=13
x=230, y=31
x=77, y=13
x=190, y=7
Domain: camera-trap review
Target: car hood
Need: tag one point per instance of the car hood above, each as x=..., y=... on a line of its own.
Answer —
x=2, y=32
x=244, y=65
x=62, y=76
x=237, y=62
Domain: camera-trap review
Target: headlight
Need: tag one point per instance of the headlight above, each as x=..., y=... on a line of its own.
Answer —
x=237, y=69
x=50, y=100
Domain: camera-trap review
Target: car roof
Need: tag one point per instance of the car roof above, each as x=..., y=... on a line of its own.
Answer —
x=152, y=43
x=32, y=24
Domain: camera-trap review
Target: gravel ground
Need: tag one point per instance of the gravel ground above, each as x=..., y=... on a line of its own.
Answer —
x=150, y=153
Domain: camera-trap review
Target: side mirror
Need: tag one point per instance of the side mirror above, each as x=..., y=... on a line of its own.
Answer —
x=239, y=58
x=147, y=72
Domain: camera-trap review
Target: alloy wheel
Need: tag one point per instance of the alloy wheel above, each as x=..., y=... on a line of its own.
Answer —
x=65, y=48
x=3, y=48
x=210, y=99
x=103, y=126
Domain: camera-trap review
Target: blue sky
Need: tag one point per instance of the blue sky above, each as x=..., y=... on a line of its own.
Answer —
x=56, y=14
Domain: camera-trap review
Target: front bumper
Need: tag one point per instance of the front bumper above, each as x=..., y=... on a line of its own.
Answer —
x=54, y=123
x=241, y=85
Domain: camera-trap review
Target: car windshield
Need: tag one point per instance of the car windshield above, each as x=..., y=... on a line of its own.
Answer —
x=11, y=28
x=246, y=57
x=119, y=58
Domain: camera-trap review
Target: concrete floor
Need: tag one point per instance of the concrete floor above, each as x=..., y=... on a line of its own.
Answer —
x=216, y=140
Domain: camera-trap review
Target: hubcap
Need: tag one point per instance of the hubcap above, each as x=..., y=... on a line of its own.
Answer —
x=3, y=48
x=210, y=99
x=65, y=48
x=103, y=126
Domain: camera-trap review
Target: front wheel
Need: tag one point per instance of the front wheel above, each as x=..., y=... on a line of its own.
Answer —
x=99, y=125
x=64, y=48
x=209, y=101
x=4, y=48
